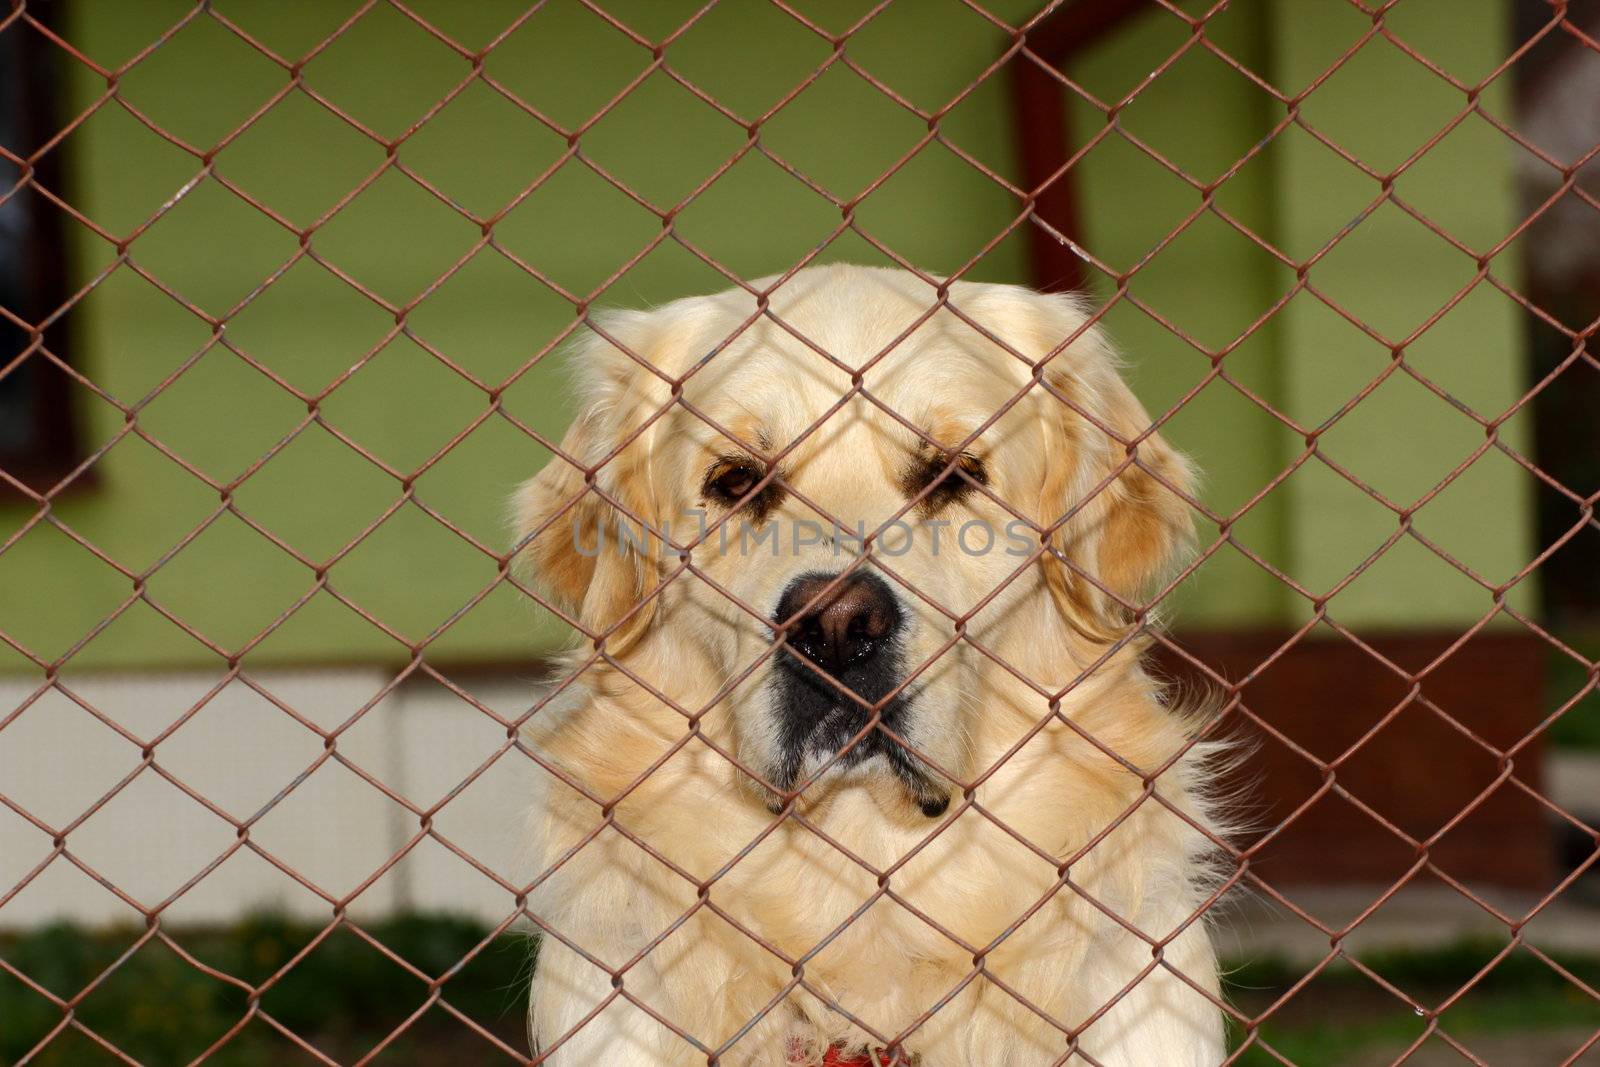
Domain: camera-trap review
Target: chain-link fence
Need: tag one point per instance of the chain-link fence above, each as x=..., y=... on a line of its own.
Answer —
x=284, y=291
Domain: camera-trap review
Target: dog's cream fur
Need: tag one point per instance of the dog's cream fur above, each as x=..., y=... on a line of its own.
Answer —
x=668, y=860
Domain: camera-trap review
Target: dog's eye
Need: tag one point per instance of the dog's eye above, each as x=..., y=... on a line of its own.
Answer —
x=729, y=482
x=944, y=486
x=735, y=482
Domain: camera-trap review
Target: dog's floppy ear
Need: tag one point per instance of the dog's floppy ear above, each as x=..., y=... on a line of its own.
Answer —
x=575, y=548
x=1121, y=485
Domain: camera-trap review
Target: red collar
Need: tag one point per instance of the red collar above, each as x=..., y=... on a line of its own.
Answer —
x=875, y=1058
x=835, y=1057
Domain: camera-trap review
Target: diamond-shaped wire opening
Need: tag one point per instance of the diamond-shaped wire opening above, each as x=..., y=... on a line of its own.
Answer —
x=1443, y=187
x=161, y=335
x=106, y=979
x=336, y=861
x=567, y=63
x=287, y=38
x=1327, y=109
x=260, y=159
x=360, y=413
x=746, y=83
x=1111, y=168
x=221, y=415
x=1338, y=1014
x=1455, y=440
x=384, y=72
x=1194, y=90
x=886, y=50
x=619, y=223
x=306, y=329
x=445, y=571
x=210, y=249
x=183, y=585
x=149, y=838
x=662, y=141
x=161, y=87
x=1449, y=56
x=1347, y=275
x=316, y=623
x=893, y=212
x=236, y=749
x=99, y=591
x=353, y=492
x=489, y=316
x=392, y=270
x=744, y=192
x=480, y=149
x=889, y=132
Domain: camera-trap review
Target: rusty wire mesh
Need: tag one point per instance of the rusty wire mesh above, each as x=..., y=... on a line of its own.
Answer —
x=1217, y=528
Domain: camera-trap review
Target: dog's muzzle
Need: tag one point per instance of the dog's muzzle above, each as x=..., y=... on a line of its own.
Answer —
x=842, y=657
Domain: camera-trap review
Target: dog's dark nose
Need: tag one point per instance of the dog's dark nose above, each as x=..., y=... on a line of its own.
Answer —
x=842, y=626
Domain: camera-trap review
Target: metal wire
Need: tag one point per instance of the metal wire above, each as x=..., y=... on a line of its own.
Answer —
x=1021, y=50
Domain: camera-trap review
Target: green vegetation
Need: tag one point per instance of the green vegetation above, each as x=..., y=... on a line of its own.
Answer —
x=345, y=997
x=1343, y=1012
x=1579, y=727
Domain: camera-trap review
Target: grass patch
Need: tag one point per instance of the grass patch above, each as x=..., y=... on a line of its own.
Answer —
x=1579, y=728
x=344, y=996
x=1344, y=1012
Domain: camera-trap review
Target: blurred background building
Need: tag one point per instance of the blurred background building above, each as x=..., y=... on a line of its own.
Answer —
x=304, y=269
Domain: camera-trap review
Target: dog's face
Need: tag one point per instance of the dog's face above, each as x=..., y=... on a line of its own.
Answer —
x=875, y=498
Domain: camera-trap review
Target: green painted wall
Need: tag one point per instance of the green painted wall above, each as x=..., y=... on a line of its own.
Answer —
x=1208, y=281
x=1213, y=281
x=1394, y=274
x=332, y=363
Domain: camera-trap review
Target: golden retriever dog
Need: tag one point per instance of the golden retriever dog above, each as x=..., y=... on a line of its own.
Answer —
x=857, y=761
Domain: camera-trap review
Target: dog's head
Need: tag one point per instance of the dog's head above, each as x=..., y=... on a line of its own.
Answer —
x=1004, y=482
